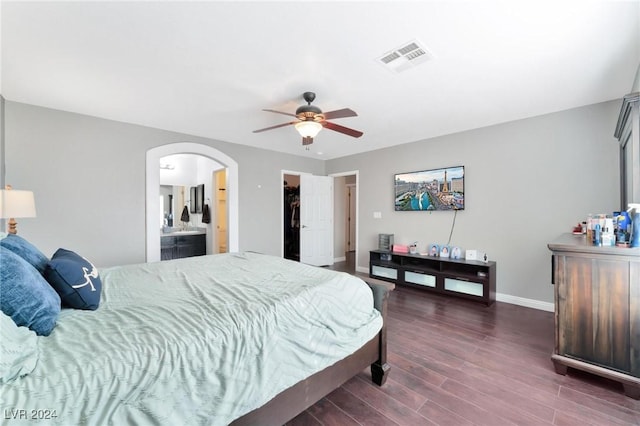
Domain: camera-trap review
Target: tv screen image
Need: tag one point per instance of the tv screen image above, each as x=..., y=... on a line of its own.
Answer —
x=430, y=190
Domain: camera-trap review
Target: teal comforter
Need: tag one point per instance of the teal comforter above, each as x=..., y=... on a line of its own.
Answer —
x=193, y=341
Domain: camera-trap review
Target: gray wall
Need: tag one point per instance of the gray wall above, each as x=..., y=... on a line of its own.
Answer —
x=88, y=178
x=526, y=182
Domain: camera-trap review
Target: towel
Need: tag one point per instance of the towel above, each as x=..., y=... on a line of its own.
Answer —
x=206, y=216
x=185, y=214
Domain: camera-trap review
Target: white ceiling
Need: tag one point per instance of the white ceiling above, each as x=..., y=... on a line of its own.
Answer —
x=209, y=68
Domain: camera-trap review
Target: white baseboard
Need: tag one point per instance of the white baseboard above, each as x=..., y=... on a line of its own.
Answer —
x=340, y=259
x=362, y=269
x=529, y=303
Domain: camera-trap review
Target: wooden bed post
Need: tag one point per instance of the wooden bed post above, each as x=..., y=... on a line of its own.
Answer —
x=380, y=368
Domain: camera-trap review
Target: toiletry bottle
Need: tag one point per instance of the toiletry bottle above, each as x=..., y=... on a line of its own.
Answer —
x=624, y=224
x=590, y=229
x=608, y=236
x=634, y=240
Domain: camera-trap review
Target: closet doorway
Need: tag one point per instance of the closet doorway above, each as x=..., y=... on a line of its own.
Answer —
x=291, y=217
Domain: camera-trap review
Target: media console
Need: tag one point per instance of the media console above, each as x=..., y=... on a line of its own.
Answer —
x=475, y=280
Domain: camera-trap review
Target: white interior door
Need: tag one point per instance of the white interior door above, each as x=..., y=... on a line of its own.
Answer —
x=316, y=220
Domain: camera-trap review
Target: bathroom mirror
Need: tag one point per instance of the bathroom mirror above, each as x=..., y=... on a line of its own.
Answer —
x=173, y=201
x=197, y=198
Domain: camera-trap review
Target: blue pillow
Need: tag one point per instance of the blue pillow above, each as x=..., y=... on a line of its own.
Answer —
x=75, y=279
x=26, y=297
x=25, y=250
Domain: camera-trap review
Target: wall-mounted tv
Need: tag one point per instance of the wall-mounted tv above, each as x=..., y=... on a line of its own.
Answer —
x=430, y=190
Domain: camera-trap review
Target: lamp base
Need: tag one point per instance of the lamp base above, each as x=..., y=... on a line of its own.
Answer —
x=11, y=226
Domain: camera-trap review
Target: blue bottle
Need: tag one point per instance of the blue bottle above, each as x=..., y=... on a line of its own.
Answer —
x=634, y=240
x=623, y=223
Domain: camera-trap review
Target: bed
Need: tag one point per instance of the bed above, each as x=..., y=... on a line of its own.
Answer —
x=240, y=338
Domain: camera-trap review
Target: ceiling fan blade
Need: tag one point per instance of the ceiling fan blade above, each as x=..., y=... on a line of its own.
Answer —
x=342, y=129
x=275, y=127
x=340, y=113
x=280, y=112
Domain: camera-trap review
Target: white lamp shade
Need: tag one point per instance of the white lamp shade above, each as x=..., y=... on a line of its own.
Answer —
x=15, y=203
x=308, y=128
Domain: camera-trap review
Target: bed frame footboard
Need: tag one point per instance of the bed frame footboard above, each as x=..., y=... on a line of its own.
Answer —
x=380, y=368
x=294, y=400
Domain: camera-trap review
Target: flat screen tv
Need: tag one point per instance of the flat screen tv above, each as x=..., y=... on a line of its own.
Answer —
x=430, y=190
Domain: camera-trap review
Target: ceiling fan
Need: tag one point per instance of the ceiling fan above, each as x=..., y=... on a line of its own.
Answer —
x=311, y=119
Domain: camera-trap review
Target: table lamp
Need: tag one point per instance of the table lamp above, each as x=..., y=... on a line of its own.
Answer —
x=16, y=203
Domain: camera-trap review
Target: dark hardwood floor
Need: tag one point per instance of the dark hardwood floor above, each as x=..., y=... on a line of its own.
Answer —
x=456, y=362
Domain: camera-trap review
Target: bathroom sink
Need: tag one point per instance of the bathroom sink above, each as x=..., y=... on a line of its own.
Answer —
x=191, y=231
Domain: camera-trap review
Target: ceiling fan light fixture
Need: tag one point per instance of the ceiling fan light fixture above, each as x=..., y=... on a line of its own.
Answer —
x=308, y=128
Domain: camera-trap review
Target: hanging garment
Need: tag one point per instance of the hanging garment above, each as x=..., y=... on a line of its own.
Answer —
x=206, y=216
x=185, y=214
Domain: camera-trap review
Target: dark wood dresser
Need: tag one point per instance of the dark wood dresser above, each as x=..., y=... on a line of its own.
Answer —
x=597, y=310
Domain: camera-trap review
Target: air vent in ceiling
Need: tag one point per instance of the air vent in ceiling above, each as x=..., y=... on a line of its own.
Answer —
x=406, y=56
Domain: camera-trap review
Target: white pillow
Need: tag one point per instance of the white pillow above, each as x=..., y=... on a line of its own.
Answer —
x=18, y=350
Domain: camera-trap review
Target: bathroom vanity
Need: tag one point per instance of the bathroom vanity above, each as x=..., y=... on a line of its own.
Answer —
x=179, y=244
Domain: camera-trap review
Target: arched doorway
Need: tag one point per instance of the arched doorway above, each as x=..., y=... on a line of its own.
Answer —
x=153, y=191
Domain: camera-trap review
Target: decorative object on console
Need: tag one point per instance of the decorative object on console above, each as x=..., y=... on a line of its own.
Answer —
x=474, y=255
x=399, y=248
x=15, y=203
x=385, y=241
x=429, y=190
x=456, y=252
x=444, y=251
x=434, y=250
